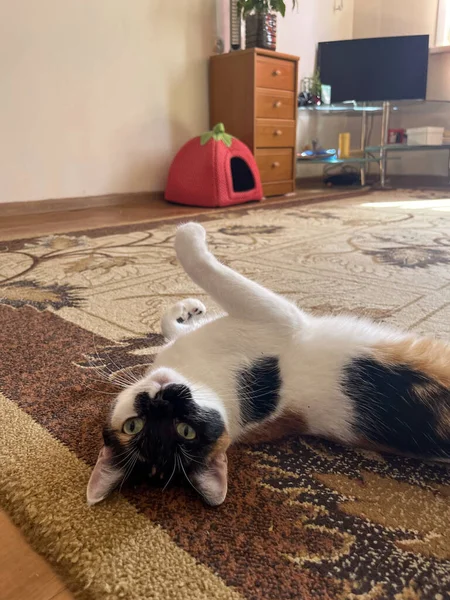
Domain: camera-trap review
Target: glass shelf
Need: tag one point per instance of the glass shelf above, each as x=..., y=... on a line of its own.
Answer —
x=367, y=107
x=405, y=148
x=349, y=108
x=371, y=150
x=337, y=161
x=334, y=161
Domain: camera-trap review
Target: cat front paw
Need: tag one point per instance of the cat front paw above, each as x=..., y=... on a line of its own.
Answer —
x=183, y=312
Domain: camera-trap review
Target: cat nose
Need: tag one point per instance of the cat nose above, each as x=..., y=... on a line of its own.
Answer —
x=159, y=408
x=176, y=393
x=146, y=398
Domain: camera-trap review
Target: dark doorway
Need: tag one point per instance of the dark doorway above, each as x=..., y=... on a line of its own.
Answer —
x=243, y=179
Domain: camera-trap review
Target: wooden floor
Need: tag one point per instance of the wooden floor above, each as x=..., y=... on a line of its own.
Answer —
x=30, y=219
x=135, y=211
x=23, y=574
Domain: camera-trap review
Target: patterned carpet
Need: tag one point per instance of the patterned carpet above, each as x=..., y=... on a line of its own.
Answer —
x=303, y=518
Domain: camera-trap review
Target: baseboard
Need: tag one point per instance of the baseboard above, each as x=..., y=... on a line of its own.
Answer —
x=37, y=207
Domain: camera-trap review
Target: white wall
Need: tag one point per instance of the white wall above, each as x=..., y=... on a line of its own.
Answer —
x=312, y=22
x=97, y=95
x=377, y=18
x=409, y=17
x=367, y=18
x=439, y=76
x=299, y=33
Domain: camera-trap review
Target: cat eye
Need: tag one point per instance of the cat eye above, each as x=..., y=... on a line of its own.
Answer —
x=133, y=426
x=186, y=431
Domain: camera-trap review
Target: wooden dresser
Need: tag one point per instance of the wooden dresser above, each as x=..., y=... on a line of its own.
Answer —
x=254, y=94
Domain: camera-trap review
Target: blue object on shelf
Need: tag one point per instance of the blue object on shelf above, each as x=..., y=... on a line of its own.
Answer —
x=311, y=154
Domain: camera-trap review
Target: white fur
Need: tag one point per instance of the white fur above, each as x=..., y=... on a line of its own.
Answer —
x=206, y=353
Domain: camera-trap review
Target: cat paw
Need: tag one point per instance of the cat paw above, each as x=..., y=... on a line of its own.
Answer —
x=190, y=239
x=185, y=310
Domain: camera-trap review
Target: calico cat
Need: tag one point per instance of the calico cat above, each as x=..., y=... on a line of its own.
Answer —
x=263, y=370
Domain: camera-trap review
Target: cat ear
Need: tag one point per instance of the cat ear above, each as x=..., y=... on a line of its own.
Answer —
x=212, y=481
x=104, y=477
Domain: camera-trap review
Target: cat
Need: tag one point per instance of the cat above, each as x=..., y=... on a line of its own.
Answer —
x=265, y=369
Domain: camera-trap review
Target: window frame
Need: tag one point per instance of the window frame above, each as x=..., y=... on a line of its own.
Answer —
x=443, y=24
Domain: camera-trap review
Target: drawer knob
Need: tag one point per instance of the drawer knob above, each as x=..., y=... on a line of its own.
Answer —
x=275, y=164
x=276, y=73
x=277, y=104
x=277, y=132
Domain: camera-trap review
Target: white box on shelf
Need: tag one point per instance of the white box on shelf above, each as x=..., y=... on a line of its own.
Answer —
x=425, y=136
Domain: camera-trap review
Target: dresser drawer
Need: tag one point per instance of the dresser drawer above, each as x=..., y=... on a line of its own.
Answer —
x=278, y=188
x=272, y=104
x=275, y=164
x=273, y=133
x=275, y=73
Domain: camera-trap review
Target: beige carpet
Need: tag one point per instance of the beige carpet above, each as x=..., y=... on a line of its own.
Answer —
x=303, y=518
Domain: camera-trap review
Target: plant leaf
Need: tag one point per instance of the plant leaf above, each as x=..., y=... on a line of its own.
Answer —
x=205, y=137
x=227, y=139
x=246, y=7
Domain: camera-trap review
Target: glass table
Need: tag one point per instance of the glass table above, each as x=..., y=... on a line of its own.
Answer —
x=372, y=154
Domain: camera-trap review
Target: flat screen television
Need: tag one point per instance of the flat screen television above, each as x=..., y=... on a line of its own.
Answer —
x=375, y=69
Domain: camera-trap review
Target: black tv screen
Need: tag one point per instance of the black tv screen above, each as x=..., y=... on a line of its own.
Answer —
x=375, y=69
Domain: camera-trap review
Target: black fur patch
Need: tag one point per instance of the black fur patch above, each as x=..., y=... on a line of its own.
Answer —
x=397, y=407
x=258, y=388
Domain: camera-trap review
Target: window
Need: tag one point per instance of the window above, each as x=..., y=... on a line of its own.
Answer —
x=443, y=24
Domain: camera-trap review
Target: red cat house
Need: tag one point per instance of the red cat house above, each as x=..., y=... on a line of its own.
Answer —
x=214, y=170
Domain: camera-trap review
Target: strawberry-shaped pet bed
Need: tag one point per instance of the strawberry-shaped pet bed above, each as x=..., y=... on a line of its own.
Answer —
x=214, y=169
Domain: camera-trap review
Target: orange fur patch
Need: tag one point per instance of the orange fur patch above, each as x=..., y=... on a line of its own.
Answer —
x=290, y=423
x=426, y=355
x=123, y=438
x=221, y=446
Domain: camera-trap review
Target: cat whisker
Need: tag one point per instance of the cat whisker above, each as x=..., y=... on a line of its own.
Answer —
x=120, y=383
x=128, y=381
x=99, y=358
x=189, y=457
x=101, y=382
x=121, y=371
x=110, y=374
x=130, y=467
x=96, y=391
x=103, y=373
x=173, y=473
x=185, y=474
x=127, y=453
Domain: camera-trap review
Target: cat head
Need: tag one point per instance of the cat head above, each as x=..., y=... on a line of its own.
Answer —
x=158, y=427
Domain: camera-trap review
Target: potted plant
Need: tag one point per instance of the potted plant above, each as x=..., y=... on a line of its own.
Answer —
x=261, y=21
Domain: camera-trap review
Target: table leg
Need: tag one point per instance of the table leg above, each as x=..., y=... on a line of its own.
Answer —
x=363, y=146
x=448, y=172
x=384, y=141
